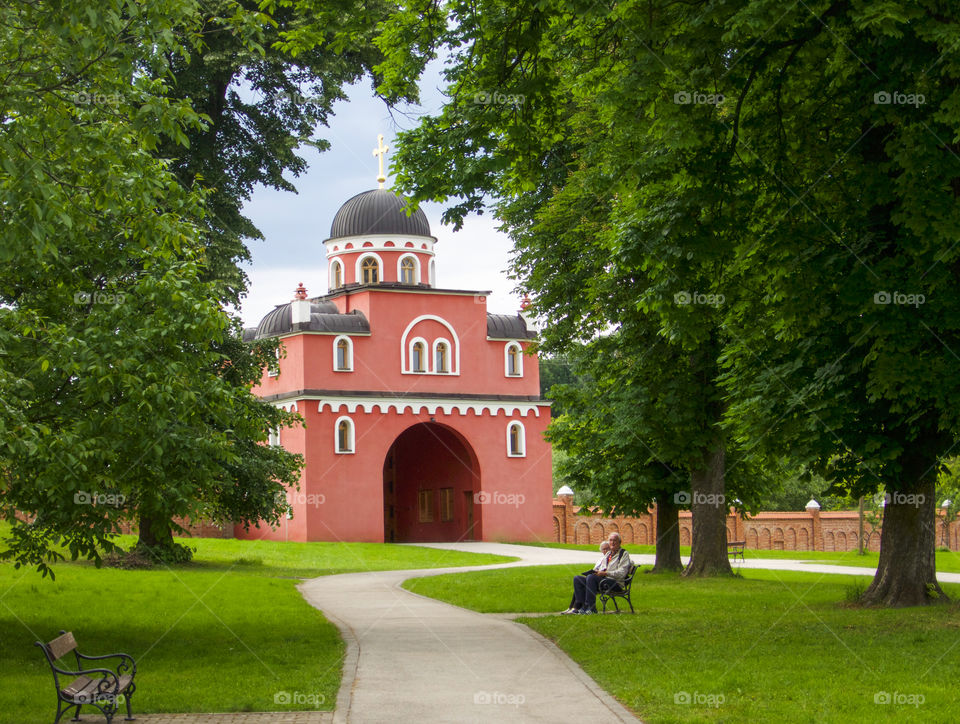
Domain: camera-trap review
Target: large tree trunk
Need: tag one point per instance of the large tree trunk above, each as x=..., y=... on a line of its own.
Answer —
x=155, y=532
x=708, y=552
x=907, y=572
x=668, y=535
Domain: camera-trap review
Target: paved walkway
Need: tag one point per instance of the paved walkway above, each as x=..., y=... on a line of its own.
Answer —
x=413, y=659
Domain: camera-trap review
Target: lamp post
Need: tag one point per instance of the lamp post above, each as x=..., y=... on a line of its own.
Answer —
x=945, y=507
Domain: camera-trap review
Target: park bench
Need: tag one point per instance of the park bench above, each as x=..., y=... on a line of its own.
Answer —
x=104, y=688
x=735, y=549
x=620, y=591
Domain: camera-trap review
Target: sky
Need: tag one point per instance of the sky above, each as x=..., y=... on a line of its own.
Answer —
x=295, y=225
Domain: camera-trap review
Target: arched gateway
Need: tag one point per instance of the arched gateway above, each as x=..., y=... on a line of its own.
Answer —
x=430, y=479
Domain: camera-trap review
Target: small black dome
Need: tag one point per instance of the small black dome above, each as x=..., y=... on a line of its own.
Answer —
x=378, y=211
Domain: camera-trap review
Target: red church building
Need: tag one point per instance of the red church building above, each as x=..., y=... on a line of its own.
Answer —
x=422, y=413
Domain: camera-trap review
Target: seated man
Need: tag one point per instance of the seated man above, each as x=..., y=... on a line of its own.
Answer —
x=600, y=566
x=585, y=587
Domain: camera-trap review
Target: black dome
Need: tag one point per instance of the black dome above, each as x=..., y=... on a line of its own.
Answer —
x=378, y=212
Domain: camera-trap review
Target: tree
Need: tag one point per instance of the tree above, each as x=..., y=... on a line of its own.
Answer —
x=802, y=163
x=120, y=391
x=618, y=224
x=262, y=88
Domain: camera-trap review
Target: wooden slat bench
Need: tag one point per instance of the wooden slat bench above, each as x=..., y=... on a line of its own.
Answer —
x=104, y=688
x=735, y=549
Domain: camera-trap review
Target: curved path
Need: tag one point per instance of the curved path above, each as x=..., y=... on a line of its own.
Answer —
x=414, y=659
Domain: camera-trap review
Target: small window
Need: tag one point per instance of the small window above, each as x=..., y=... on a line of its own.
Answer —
x=513, y=362
x=446, y=504
x=370, y=271
x=273, y=437
x=344, y=435
x=433, y=273
x=419, y=352
x=408, y=271
x=337, y=278
x=516, y=442
x=425, y=506
x=442, y=358
x=343, y=355
x=273, y=370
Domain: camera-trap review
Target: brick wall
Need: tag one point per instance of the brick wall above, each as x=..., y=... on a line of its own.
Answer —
x=811, y=530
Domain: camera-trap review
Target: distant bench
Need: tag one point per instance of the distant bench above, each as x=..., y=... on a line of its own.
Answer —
x=735, y=549
x=102, y=688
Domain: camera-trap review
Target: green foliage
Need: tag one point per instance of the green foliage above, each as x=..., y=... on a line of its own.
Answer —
x=759, y=199
x=124, y=388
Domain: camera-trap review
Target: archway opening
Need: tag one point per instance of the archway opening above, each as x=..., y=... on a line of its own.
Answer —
x=430, y=477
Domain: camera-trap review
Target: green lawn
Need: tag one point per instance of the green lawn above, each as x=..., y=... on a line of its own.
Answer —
x=947, y=561
x=229, y=632
x=772, y=646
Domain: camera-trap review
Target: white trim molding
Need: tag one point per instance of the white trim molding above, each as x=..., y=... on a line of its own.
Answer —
x=416, y=406
x=416, y=267
x=358, y=272
x=352, y=435
x=512, y=344
x=522, y=439
x=349, y=361
x=406, y=350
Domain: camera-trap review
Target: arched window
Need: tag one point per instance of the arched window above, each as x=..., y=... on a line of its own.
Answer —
x=442, y=357
x=370, y=271
x=273, y=438
x=433, y=273
x=408, y=270
x=343, y=354
x=513, y=360
x=516, y=440
x=336, y=274
x=343, y=442
x=417, y=354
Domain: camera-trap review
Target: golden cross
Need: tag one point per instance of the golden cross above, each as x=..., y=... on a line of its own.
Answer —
x=380, y=151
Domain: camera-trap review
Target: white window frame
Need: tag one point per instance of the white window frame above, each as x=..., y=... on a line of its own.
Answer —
x=276, y=372
x=433, y=356
x=336, y=342
x=523, y=440
x=332, y=281
x=416, y=268
x=426, y=351
x=273, y=437
x=336, y=436
x=406, y=348
x=433, y=272
x=359, y=266
x=506, y=358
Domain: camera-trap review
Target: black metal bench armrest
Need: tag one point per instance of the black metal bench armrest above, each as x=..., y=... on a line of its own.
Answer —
x=122, y=667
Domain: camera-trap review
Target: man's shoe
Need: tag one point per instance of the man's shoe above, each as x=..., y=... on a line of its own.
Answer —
x=568, y=611
x=588, y=611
